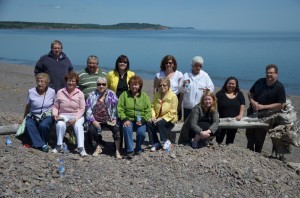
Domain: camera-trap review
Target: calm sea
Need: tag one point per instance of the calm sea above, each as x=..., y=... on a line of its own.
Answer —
x=242, y=54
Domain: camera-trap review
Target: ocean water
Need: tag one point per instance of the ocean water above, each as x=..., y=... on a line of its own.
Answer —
x=243, y=54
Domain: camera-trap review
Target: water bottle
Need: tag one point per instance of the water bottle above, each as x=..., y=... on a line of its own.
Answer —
x=187, y=86
x=168, y=149
x=61, y=168
x=65, y=148
x=138, y=117
x=8, y=141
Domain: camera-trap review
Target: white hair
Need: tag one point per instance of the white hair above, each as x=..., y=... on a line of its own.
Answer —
x=197, y=59
x=102, y=78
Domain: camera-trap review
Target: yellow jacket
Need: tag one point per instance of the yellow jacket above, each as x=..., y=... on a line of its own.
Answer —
x=113, y=79
x=169, y=106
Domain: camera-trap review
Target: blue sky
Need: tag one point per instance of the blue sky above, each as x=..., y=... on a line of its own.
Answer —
x=280, y=15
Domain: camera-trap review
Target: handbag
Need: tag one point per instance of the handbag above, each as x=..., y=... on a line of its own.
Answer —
x=21, y=128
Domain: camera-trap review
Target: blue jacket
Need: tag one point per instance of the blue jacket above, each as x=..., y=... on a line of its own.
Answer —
x=57, y=69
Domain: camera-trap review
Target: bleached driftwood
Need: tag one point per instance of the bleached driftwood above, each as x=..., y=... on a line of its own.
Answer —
x=9, y=129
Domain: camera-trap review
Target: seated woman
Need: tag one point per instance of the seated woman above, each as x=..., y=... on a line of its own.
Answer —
x=38, y=112
x=101, y=111
x=68, y=109
x=202, y=122
x=134, y=110
x=164, y=115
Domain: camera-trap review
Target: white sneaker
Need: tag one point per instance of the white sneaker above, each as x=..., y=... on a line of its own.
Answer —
x=167, y=144
x=57, y=149
x=155, y=147
x=83, y=153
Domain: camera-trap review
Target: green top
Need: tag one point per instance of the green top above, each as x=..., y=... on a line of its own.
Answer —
x=129, y=106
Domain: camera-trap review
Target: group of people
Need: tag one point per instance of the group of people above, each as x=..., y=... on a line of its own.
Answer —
x=116, y=101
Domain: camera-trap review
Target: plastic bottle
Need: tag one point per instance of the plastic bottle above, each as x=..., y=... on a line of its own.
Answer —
x=61, y=168
x=65, y=148
x=188, y=86
x=138, y=117
x=168, y=150
x=8, y=141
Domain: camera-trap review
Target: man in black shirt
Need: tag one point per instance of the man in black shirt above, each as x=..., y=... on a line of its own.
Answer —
x=266, y=94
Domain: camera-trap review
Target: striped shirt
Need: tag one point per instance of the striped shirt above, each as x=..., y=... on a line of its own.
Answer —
x=88, y=81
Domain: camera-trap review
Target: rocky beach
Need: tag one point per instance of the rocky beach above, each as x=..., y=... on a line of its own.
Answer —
x=216, y=171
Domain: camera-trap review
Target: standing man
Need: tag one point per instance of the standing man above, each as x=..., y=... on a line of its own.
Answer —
x=266, y=94
x=89, y=76
x=56, y=64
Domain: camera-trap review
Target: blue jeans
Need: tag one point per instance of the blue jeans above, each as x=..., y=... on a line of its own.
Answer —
x=39, y=132
x=140, y=136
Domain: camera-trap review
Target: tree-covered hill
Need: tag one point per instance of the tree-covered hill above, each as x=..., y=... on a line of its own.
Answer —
x=42, y=25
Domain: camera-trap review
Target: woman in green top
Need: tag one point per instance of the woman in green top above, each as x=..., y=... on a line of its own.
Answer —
x=134, y=110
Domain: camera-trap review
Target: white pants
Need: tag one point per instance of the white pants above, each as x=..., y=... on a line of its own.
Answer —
x=78, y=128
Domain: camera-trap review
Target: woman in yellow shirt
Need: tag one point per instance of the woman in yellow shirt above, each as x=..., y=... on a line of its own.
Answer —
x=164, y=115
x=117, y=80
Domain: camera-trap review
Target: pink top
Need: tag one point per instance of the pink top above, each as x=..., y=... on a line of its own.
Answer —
x=69, y=104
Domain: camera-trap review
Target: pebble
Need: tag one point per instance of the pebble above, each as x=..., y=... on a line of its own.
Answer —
x=189, y=173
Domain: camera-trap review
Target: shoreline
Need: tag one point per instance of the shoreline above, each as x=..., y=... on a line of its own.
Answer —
x=146, y=75
x=16, y=79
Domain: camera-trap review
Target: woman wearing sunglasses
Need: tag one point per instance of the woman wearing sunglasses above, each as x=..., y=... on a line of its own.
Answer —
x=168, y=68
x=164, y=115
x=101, y=107
x=118, y=78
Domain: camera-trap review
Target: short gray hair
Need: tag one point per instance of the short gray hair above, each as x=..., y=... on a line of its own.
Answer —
x=92, y=57
x=102, y=78
x=197, y=59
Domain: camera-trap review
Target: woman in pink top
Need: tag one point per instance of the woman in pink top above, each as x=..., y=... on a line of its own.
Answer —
x=68, y=109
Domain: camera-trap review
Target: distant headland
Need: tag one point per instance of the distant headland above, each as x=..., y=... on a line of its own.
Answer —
x=47, y=26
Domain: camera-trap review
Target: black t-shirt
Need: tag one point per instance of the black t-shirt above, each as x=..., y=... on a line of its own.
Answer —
x=229, y=107
x=122, y=85
x=264, y=94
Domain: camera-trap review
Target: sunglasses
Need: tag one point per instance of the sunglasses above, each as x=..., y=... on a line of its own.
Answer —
x=125, y=62
x=101, y=84
x=163, y=85
x=168, y=63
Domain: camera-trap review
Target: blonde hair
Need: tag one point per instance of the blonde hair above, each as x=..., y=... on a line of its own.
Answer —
x=165, y=80
x=213, y=107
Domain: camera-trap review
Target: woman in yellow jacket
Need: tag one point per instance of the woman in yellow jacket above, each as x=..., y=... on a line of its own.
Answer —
x=164, y=115
x=117, y=80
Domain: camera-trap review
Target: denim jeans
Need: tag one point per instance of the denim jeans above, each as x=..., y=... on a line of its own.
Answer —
x=140, y=136
x=39, y=132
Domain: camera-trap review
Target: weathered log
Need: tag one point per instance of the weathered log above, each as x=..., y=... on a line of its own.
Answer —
x=9, y=129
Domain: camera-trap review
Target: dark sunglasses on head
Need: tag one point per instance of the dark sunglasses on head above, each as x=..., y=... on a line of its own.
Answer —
x=101, y=84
